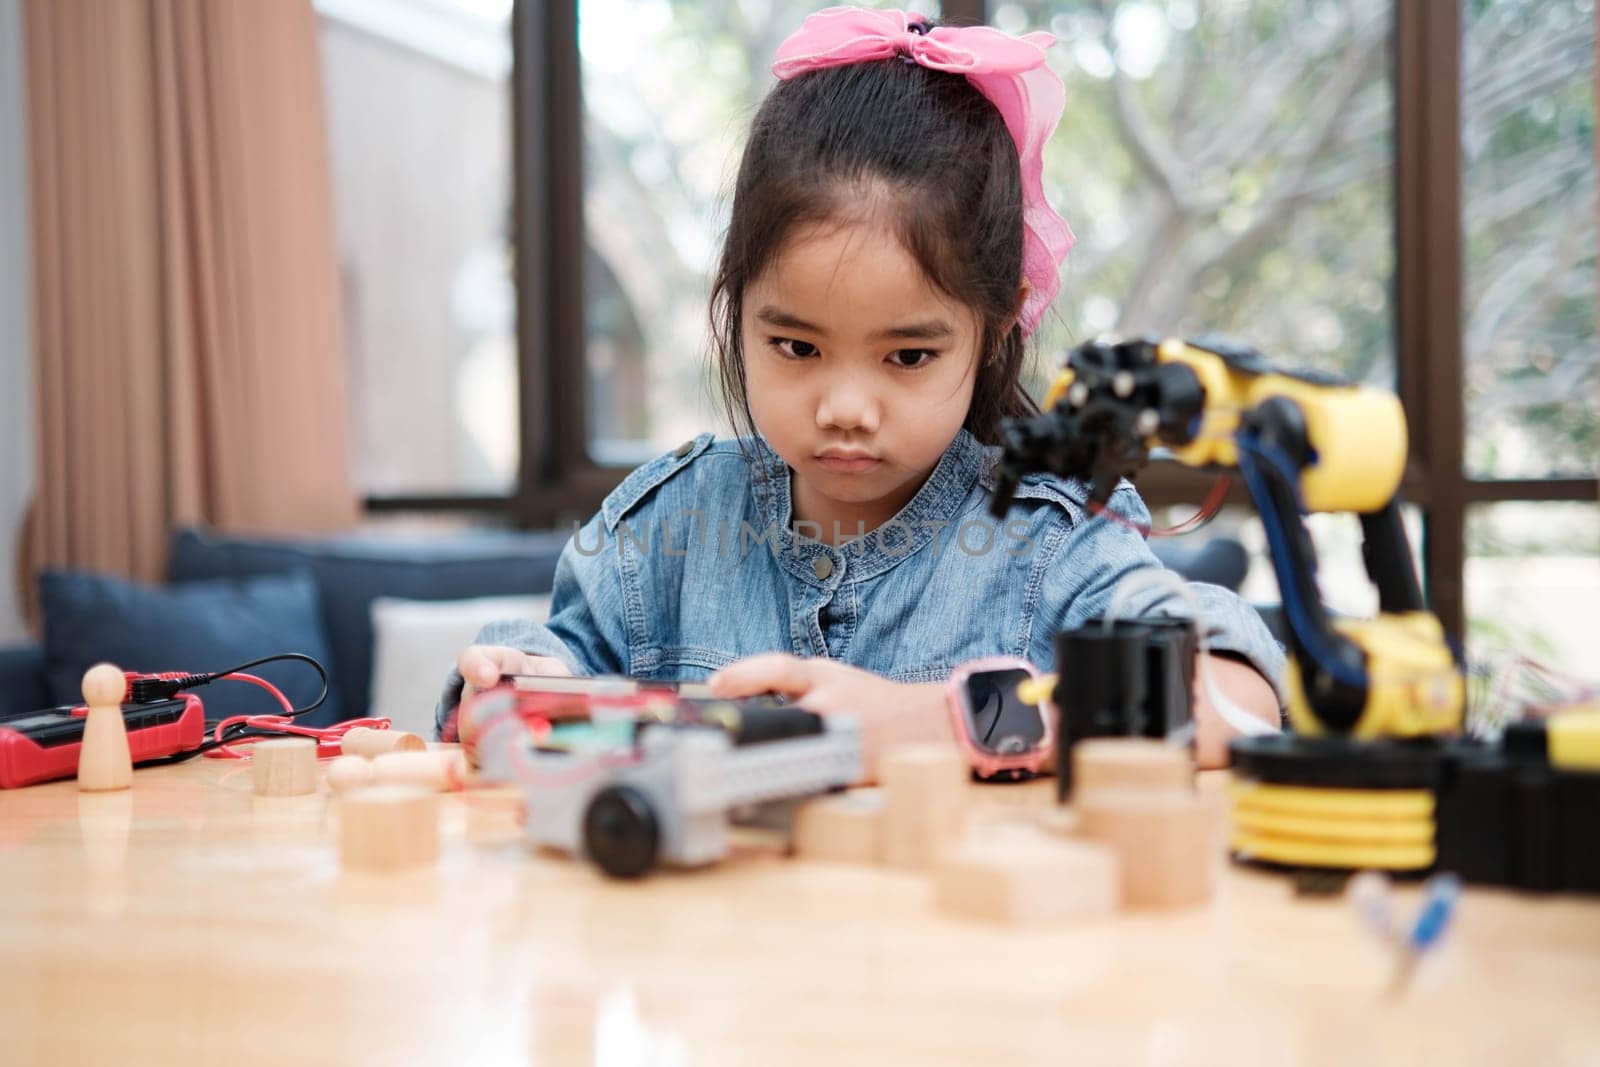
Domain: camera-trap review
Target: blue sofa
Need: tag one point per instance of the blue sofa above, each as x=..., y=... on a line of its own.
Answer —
x=351, y=570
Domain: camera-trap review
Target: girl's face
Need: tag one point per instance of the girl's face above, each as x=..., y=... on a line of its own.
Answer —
x=859, y=371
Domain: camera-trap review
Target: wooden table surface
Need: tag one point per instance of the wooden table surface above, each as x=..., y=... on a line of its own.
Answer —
x=188, y=921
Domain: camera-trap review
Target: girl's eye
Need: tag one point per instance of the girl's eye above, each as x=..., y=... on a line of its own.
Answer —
x=913, y=358
x=794, y=349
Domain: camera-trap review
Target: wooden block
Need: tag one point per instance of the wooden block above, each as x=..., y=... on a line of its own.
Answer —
x=284, y=766
x=1025, y=878
x=349, y=772
x=104, y=760
x=1058, y=821
x=924, y=802
x=840, y=827
x=1165, y=843
x=365, y=741
x=388, y=828
x=440, y=771
x=1129, y=763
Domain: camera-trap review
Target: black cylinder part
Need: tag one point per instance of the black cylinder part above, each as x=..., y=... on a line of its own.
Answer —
x=1101, y=688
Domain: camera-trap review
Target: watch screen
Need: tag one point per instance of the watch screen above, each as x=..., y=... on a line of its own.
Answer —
x=997, y=719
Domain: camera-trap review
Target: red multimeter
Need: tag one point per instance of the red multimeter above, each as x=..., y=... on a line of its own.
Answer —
x=40, y=746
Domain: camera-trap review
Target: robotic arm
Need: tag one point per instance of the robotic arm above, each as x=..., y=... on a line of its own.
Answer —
x=1303, y=443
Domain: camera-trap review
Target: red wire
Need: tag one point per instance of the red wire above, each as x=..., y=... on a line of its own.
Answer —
x=328, y=738
x=1208, y=511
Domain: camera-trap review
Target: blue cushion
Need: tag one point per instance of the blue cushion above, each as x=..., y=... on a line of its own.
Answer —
x=193, y=627
x=352, y=569
x=22, y=679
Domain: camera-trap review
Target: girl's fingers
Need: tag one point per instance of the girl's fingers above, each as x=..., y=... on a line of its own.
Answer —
x=477, y=669
x=545, y=666
x=482, y=665
x=772, y=672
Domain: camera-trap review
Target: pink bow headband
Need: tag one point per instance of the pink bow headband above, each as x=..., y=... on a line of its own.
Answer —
x=1009, y=71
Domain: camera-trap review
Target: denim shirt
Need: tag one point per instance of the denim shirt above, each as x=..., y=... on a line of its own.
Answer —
x=691, y=564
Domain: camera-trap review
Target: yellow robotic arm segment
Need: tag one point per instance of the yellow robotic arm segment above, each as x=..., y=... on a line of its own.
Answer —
x=1303, y=442
x=1357, y=433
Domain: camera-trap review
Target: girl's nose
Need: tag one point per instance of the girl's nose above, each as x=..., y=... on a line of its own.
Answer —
x=846, y=405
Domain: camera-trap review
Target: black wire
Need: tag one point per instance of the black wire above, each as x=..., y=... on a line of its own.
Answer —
x=281, y=657
x=238, y=731
x=146, y=689
x=180, y=757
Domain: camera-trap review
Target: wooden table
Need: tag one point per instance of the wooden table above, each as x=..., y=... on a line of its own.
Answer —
x=188, y=921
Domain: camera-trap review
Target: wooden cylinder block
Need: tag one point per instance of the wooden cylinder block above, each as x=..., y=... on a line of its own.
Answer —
x=1165, y=844
x=388, y=828
x=1024, y=878
x=365, y=741
x=1129, y=763
x=440, y=771
x=349, y=772
x=841, y=827
x=285, y=766
x=925, y=801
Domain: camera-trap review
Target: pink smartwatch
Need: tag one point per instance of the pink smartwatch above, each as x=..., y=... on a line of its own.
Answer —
x=1004, y=737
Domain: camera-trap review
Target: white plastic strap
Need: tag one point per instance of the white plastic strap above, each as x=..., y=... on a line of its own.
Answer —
x=1147, y=577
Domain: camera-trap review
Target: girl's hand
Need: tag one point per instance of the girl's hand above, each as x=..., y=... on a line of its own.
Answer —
x=891, y=713
x=1244, y=686
x=482, y=666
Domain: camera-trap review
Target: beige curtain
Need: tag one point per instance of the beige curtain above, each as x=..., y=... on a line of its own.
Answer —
x=187, y=333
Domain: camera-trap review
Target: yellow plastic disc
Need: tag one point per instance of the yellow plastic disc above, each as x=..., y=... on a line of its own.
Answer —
x=1396, y=857
x=1398, y=804
x=1353, y=831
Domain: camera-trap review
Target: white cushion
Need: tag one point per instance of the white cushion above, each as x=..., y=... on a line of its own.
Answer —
x=416, y=642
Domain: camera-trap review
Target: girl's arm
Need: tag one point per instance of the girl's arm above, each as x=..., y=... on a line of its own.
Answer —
x=1247, y=688
x=897, y=713
x=1077, y=587
x=584, y=635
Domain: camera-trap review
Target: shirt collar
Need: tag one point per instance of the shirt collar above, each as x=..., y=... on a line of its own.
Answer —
x=914, y=526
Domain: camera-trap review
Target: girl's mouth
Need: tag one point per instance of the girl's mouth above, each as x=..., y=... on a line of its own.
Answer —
x=848, y=463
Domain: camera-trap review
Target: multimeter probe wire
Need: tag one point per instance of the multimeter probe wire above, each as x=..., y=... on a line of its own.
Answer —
x=143, y=688
x=238, y=730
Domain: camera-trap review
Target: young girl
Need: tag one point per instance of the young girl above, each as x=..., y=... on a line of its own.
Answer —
x=889, y=251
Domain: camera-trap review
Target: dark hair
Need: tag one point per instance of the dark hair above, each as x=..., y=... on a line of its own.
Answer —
x=938, y=154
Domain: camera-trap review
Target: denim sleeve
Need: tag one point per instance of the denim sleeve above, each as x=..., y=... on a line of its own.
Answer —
x=586, y=630
x=1096, y=554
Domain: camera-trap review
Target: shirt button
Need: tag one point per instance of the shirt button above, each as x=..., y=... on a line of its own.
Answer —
x=822, y=566
x=684, y=449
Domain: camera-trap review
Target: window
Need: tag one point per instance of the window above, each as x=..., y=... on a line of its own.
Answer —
x=1227, y=168
x=1403, y=192
x=1532, y=580
x=669, y=89
x=419, y=137
x=1532, y=366
x=1531, y=363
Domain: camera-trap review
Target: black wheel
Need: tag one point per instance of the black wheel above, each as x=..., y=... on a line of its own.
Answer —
x=620, y=832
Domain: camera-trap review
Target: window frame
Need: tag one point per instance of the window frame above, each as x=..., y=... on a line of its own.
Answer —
x=558, y=482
